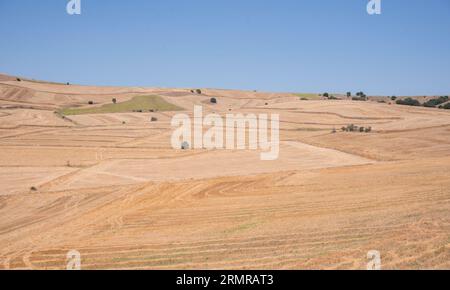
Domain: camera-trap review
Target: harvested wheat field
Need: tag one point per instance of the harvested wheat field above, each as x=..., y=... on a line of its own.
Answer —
x=79, y=173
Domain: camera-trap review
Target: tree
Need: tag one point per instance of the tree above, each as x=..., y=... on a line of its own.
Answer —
x=409, y=102
x=326, y=95
x=349, y=94
x=435, y=102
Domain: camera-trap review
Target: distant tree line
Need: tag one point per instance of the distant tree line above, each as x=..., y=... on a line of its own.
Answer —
x=433, y=103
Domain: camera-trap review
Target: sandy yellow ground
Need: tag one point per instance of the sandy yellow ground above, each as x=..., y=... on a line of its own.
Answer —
x=111, y=187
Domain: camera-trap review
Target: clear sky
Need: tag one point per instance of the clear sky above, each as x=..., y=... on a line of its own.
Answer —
x=267, y=45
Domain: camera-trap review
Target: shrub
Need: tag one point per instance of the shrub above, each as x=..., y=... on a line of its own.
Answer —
x=326, y=95
x=33, y=188
x=362, y=129
x=349, y=94
x=198, y=91
x=19, y=80
x=408, y=102
x=435, y=102
x=361, y=98
x=213, y=101
x=332, y=98
x=393, y=98
x=154, y=119
x=68, y=83
x=368, y=129
x=114, y=100
x=446, y=106
x=351, y=128
x=91, y=102
x=185, y=145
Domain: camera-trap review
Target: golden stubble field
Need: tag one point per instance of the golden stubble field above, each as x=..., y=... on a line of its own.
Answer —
x=111, y=187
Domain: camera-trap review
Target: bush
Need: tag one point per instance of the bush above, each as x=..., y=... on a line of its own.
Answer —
x=332, y=98
x=349, y=94
x=114, y=100
x=154, y=119
x=68, y=83
x=393, y=98
x=409, y=102
x=368, y=129
x=185, y=145
x=33, y=188
x=435, y=102
x=326, y=95
x=361, y=98
x=446, y=106
x=91, y=102
x=213, y=101
x=198, y=91
x=19, y=80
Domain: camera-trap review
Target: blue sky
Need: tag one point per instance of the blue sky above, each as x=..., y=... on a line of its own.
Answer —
x=267, y=45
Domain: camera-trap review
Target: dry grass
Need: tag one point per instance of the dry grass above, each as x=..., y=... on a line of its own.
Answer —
x=128, y=201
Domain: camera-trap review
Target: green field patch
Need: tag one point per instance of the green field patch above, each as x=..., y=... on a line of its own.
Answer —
x=139, y=103
x=308, y=96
